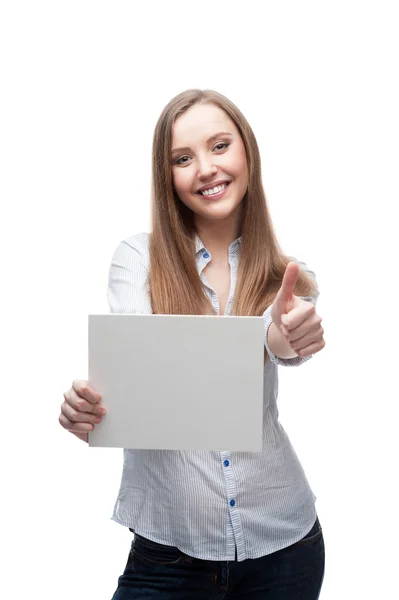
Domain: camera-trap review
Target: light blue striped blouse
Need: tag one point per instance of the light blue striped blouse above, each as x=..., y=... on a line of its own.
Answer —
x=211, y=505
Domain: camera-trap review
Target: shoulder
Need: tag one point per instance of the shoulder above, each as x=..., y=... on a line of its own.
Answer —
x=138, y=241
x=302, y=265
x=135, y=248
x=312, y=276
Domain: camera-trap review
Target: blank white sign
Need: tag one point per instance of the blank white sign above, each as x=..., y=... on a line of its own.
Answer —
x=178, y=382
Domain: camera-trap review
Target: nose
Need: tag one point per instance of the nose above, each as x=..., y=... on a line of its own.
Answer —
x=206, y=168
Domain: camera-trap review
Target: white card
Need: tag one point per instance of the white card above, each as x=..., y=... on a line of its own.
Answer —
x=176, y=382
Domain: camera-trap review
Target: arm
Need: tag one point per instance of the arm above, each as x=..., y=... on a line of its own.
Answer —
x=128, y=289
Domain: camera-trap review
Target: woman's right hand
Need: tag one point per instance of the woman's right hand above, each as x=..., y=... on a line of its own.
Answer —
x=81, y=410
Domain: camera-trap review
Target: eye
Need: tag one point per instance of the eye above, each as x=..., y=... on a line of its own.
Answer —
x=180, y=161
x=184, y=160
x=224, y=144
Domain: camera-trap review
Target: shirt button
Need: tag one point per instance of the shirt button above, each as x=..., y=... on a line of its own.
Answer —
x=232, y=502
x=226, y=463
x=205, y=255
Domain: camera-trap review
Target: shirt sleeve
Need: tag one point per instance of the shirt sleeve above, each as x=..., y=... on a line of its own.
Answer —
x=128, y=282
x=297, y=360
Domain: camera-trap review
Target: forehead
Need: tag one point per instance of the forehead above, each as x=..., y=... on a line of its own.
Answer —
x=198, y=123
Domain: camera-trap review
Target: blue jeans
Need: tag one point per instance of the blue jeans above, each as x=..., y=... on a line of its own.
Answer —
x=157, y=572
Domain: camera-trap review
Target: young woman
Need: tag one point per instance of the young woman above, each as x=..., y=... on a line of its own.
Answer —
x=213, y=525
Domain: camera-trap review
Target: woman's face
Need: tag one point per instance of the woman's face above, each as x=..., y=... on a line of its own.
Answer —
x=208, y=155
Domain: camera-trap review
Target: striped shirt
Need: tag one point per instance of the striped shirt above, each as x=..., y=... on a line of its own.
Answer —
x=211, y=505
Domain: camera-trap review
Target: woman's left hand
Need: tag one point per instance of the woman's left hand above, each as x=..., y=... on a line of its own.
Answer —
x=295, y=318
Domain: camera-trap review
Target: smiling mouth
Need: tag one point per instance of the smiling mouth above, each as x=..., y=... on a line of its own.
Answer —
x=215, y=191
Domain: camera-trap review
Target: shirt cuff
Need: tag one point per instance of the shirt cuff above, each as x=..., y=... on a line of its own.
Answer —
x=284, y=362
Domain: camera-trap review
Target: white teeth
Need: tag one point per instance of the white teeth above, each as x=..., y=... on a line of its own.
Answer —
x=214, y=190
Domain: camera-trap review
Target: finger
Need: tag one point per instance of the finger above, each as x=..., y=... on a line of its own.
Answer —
x=298, y=315
x=289, y=281
x=74, y=427
x=312, y=349
x=304, y=341
x=84, y=390
x=77, y=416
x=305, y=328
x=82, y=405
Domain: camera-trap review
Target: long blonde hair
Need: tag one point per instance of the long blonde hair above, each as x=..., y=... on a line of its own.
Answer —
x=175, y=285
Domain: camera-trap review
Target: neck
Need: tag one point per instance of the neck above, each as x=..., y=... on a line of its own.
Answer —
x=218, y=235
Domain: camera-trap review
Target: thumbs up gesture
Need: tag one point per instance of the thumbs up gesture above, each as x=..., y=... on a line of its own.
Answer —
x=295, y=318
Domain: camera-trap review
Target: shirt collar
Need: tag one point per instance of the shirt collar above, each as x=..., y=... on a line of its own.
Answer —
x=200, y=246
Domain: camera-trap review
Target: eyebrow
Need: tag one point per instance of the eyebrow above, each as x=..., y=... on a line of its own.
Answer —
x=211, y=139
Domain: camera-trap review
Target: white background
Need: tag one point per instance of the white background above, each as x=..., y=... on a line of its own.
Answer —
x=82, y=85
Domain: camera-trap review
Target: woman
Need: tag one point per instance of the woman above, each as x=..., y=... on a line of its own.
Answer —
x=213, y=525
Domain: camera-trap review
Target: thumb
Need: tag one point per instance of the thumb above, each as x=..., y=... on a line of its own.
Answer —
x=290, y=278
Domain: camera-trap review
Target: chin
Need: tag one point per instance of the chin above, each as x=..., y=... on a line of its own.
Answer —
x=217, y=213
